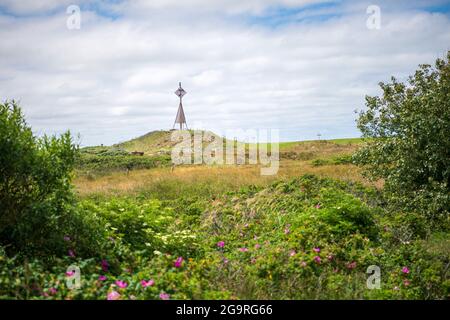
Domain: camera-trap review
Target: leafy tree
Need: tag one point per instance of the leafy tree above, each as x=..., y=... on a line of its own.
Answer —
x=409, y=139
x=35, y=182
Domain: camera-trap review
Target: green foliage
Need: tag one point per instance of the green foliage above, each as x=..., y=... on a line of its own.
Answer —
x=271, y=238
x=141, y=224
x=116, y=160
x=35, y=188
x=336, y=160
x=409, y=128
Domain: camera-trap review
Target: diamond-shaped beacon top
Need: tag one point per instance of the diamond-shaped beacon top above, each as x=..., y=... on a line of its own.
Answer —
x=180, y=92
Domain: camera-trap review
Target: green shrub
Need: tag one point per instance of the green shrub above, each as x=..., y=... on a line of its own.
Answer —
x=409, y=147
x=111, y=161
x=35, y=188
x=342, y=159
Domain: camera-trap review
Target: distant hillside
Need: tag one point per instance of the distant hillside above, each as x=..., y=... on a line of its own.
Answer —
x=152, y=143
x=159, y=142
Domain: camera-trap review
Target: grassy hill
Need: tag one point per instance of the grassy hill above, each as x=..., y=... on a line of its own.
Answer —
x=159, y=142
x=154, y=142
x=157, y=146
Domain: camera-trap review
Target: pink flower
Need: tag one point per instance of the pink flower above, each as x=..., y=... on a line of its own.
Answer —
x=405, y=270
x=330, y=257
x=243, y=249
x=406, y=283
x=113, y=295
x=70, y=273
x=121, y=284
x=52, y=291
x=351, y=265
x=225, y=261
x=178, y=262
x=102, y=278
x=221, y=244
x=292, y=253
x=105, y=265
x=257, y=246
x=148, y=283
x=66, y=238
x=317, y=206
x=317, y=259
x=317, y=249
x=303, y=264
x=164, y=296
x=71, y=253
x=287, y=231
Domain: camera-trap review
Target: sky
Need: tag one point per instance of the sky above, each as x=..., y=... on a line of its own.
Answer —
x=299, y=66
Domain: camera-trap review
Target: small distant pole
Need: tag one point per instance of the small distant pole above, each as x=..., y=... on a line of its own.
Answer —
x=318, y=136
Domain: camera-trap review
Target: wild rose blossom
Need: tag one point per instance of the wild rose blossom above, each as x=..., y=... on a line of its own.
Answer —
x=113, y=295
x=148, y=283
x=102, y=277
x=177, y=263
x=243, y=249
x=406, y=283
x=317, y=259
x=164, y=296
x=52, y=291
x=121, y=284
x=316, y=249
x=405, y=270
x=70, y=273
x=351, y=265
x=105, y=265
x=292, y=253
x=257, y=246
x=71, y=253
x=221, y=244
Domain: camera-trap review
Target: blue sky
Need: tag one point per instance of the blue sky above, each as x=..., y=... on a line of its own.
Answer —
x=302, y=67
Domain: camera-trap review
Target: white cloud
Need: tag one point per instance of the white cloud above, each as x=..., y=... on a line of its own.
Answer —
x=114, y=79
x=33, y=6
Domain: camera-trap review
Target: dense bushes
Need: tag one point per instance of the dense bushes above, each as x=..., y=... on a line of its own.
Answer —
x=307, y=238
x=116, y=161
x=314, y=238
x=35, y=184
x=409, y=127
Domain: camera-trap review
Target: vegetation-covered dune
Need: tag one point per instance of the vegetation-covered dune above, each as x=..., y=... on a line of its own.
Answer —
x=345, y=219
